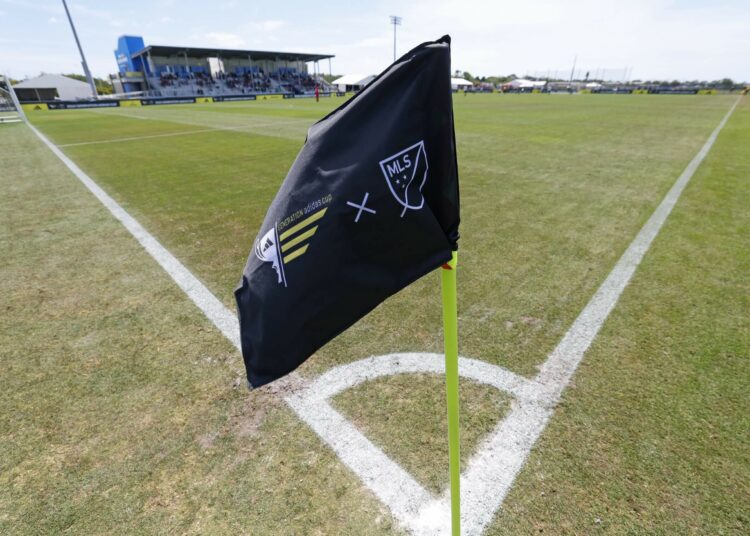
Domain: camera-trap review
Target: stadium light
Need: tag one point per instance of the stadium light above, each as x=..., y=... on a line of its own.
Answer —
x=396, y=21
x=573, y=70
x=83, y=58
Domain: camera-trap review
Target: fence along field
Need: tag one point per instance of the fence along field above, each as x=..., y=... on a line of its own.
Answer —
x=542, y=179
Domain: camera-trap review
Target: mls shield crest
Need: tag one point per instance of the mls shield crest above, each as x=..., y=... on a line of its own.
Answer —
x=406, y=172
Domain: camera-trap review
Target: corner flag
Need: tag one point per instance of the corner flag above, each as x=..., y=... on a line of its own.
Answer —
x=369, y=206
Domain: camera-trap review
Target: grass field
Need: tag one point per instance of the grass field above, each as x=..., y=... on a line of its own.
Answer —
x=124, y=411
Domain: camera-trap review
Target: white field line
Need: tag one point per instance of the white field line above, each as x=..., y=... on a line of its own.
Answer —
x=492, y=470
x=135, y=138
x=171, y=119
x=409, y=502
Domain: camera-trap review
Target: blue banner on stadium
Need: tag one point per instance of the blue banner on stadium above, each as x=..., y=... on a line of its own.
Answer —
x=168, y=100
x=224, y=98
x=68, y=105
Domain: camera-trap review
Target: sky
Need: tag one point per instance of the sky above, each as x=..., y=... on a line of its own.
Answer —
x=636, y=39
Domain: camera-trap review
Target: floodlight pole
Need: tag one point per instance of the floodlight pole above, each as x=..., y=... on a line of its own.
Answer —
x=396, y=21
x=573, y=70
x=83, y=58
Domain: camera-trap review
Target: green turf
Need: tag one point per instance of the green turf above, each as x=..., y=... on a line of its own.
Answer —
x=553, y=188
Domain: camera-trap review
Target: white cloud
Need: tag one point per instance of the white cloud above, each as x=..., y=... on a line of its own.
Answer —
x=52, y=20
x=223, y=39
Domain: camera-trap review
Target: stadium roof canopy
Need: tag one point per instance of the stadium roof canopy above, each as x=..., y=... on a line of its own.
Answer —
x=460, y=82
x=524, y=83
x=57, y=86
x=353, y=80
x=228, y=53
x=53, y=80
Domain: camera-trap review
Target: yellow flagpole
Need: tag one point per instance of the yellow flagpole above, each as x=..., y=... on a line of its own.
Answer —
x=450, y=327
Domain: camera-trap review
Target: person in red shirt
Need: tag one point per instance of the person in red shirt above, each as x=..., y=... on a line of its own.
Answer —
x=317, y=93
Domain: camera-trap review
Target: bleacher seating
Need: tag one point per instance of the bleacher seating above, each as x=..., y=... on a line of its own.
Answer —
x=242, y=81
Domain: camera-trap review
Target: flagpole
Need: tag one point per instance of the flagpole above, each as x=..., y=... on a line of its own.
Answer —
x=450, y=327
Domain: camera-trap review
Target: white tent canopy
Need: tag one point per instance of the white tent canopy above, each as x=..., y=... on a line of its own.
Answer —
x=460, y=83
x=67, y=88
x=352, y=81
x=524, y=83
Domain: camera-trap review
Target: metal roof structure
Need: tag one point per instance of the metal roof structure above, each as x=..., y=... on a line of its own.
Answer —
x=524, y=83
x=460, y=82
x=48, y=86
x=354, y=80
x=228, y=53
x=52, y=81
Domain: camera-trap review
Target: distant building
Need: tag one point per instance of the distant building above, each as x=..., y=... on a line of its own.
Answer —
x=522, y=85
x=460, y=83
x=352, y=82
x=49, y=87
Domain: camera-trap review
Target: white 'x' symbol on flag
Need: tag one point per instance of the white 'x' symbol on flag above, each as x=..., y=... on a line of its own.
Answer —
x=361, y=207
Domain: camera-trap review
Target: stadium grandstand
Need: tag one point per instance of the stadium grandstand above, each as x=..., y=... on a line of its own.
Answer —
x=170, y=71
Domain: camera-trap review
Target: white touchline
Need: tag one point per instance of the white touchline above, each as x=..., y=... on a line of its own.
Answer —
x=492, y=469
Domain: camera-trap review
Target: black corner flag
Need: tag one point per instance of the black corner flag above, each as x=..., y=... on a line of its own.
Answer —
x=369, y=206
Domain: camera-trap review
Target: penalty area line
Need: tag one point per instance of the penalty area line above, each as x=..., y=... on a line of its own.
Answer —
x=136, y=138
x=206, y=124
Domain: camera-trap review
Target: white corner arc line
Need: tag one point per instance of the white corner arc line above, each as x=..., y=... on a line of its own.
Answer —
x=410, y=503
x=214, y=310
